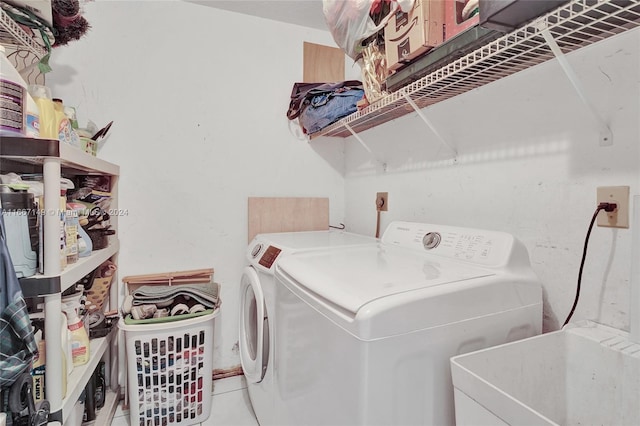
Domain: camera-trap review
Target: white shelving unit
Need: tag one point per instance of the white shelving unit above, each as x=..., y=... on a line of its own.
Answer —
x=577, y=24
x=55, y=159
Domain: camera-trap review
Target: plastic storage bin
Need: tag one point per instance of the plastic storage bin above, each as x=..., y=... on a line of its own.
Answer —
x=584, y=374
x=170, y=369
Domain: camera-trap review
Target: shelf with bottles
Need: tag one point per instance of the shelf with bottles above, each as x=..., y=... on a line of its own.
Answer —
x=79, y=377
x=53, y=160
x=33, y=152
x=30, y=155
x=41, y=285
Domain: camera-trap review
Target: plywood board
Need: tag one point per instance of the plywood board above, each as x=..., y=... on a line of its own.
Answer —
x=322, y=64
x=287, y=214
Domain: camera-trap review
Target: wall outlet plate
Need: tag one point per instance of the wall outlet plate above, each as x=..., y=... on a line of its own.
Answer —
x=618, y=218
x=382, y=201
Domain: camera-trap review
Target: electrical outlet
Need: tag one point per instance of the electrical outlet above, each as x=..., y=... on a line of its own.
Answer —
x=619, y=218
x=382, y=201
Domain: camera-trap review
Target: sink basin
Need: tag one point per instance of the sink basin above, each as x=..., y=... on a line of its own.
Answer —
x=585, y=374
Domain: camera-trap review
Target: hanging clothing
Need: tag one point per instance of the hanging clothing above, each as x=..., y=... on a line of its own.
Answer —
x=17, y=342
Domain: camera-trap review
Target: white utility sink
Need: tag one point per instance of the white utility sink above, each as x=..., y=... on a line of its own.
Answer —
x=585, y=374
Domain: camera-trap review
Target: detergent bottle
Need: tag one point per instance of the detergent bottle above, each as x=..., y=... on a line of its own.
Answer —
x=47, y=123
x=13, y=99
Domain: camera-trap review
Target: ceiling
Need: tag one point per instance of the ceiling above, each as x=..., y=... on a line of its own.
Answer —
x=307, y=13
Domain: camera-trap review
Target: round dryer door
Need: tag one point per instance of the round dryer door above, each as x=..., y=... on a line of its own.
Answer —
x=254, y=327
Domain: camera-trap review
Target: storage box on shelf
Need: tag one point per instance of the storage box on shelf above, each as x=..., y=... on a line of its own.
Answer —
x=54, y=159
x=439, y=56
x=457, y=19
x=496, y=18
x=576, y=24
x=408, y=35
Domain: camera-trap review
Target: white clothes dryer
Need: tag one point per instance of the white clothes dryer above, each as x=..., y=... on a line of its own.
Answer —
x=363, y=335
x=257, y=306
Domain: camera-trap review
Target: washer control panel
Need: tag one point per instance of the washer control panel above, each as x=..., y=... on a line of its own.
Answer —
x=270, y=255
x=472, y=245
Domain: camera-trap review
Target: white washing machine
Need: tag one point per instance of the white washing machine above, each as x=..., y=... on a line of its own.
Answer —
x=363, y=335
x=257, y=306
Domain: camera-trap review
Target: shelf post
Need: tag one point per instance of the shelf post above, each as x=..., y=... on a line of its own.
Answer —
x=52, y=303
x=606, y=136
x=51, y=216
x=53, y=367
x=429, y=123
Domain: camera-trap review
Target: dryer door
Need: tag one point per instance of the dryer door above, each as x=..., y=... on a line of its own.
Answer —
x=254, y=326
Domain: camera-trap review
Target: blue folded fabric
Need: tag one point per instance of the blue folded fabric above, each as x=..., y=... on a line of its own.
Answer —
x=327, y=108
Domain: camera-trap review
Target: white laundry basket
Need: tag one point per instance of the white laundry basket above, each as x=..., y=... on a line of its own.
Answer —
x=170, y=367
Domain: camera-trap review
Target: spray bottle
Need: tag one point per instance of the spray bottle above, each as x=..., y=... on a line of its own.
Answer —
x=78, y=333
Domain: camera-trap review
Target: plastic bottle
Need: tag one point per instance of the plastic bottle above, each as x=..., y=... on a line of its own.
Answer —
x=13, y=99
x=67, y=365
x=63, y=239
x=38, y=368
x=71, y=226
x=67, y=359
x=85, y=246
x=101, y=387
x=63, y=124
x=39, y=364
x=33, y=117
x=70, y=112
x=47, y=115
x=79, y=336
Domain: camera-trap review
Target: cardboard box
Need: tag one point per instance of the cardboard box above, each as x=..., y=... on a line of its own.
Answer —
x=409, y=35
x=453, y=22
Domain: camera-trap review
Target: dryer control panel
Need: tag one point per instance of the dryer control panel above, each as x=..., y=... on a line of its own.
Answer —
x=488, y=248
x=270, y=255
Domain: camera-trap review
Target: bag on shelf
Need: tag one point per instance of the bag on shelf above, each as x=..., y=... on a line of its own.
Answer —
x=374, y=68
x=350, y=22
x=316, y=105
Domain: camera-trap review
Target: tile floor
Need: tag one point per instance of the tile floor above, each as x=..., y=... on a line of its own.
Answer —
x=230, y=405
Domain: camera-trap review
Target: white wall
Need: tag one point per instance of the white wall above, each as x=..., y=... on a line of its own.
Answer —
x=198, y=97
x=529, y=163
x=200, y=126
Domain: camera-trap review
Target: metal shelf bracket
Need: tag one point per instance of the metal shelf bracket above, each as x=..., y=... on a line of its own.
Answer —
x=606, y=136
x=429, y=123
x=364, y=145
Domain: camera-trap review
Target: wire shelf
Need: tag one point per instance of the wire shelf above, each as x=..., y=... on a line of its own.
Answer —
x=577, y=24
x=11, y=34
x=21, y=49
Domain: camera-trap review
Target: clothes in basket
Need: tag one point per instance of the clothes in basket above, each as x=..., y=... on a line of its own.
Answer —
x=152, y=301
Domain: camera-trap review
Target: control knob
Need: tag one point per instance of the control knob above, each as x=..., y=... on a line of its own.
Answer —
x=431, y=240
x=255, y=251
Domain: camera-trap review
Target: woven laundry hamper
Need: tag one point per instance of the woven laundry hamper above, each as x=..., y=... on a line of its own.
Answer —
x=169, y=367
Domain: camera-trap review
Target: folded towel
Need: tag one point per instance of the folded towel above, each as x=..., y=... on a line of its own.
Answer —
x=206, y=294
x=130, y=320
